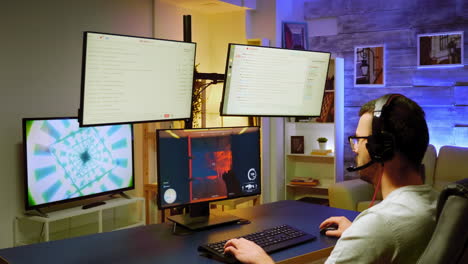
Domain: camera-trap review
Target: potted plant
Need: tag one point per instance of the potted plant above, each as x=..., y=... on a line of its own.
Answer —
x=322, y=143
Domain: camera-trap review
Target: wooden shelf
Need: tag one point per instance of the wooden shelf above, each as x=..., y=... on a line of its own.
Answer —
x=75, y=211
x=99, y=224
x=307, y=186
x=327, y=169
x=331, y=156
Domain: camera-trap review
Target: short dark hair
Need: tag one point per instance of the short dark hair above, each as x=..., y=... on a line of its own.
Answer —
x=405, y=119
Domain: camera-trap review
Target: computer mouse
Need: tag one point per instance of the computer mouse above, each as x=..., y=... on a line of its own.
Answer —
x=331, y=227
x=243, y=221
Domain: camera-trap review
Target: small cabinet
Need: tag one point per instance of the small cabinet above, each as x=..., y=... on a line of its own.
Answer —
x=113, y=215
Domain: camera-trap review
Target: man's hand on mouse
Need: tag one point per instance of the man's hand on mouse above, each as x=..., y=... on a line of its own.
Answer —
x=342, y=222
x=247, y=251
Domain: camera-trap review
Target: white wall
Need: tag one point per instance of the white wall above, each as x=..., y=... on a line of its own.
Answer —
x=40, y=71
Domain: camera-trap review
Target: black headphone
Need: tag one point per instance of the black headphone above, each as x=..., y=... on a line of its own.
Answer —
x=381, y=144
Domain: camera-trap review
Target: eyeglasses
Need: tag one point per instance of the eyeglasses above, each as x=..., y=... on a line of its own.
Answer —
x=354, y=140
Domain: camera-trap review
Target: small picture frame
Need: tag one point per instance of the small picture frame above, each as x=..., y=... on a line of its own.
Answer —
x=294, y=35
x=443, y=49
x=297, y=144
x=369, y=62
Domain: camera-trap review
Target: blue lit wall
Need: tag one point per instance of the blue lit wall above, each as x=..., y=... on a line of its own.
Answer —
x=442, y=92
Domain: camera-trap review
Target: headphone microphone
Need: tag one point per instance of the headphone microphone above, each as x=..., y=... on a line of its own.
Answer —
x=353, y=168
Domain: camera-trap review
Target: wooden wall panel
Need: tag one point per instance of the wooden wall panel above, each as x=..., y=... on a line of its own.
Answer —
x=461, y=116
x=325, y=8
x=400, y=76
x=441, y=96
x=461, y=95
x=461, y=136
x=401, y=57
x=442, y=92
x=434, y=12
x=374, y=22
x=440, y=76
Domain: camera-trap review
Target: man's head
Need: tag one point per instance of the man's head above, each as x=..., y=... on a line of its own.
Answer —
x=403, y=126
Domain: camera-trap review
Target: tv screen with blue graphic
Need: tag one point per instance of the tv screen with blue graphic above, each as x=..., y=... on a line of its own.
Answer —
x=205, y=165
x=67, y=162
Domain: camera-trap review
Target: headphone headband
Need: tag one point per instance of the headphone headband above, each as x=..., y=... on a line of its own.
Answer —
x=383, y=102
x=379, y=108
x=381, y=144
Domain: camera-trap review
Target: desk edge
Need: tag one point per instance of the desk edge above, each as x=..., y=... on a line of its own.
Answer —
x=312, y=256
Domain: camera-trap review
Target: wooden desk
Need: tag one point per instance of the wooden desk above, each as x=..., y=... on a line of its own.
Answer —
x=157, y=244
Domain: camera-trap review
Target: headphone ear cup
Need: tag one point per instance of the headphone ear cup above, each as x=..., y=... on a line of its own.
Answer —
x=372, y=146
x=381, y=146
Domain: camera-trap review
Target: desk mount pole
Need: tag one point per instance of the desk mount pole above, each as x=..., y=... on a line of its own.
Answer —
x=213, y=77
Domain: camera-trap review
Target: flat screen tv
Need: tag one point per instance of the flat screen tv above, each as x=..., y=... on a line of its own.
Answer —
x=198, y=166
x=266, y=81
x=66, y=162
x=130, y=79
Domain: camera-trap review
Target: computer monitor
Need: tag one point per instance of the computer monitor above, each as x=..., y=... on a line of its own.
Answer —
x=198, y=166
x=265, y=81
x=127, y=79
x=66, y=163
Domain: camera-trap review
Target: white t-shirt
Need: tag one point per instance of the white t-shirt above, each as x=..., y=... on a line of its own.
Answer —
x=397, y=230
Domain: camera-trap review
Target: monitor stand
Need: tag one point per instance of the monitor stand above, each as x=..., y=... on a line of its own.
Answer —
x=37, y=212
x=200, y=217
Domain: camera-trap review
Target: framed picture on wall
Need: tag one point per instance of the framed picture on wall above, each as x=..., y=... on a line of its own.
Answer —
x=297, y=144
x=369, y=65
x=294, y=35
x=440, y=49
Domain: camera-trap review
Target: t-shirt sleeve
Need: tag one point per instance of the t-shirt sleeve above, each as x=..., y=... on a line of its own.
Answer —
x=368, y=240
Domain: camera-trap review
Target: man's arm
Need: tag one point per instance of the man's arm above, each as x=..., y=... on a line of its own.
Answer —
x=368, y=240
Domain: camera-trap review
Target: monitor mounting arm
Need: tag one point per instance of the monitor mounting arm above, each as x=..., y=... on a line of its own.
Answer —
x=214, y=77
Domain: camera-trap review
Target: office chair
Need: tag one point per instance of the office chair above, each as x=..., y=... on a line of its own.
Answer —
x=449, y=242
x=3, y=261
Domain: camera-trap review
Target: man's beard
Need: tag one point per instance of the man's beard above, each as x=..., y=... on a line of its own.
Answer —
x=369, y=174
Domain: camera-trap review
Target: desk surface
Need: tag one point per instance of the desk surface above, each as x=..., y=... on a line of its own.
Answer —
x=156, y=243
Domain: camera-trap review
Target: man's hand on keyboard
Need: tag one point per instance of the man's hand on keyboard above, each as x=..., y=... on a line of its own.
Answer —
x=247, y=251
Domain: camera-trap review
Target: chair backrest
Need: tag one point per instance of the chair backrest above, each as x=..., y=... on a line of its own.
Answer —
x=3, y=261
x=449, y=242
x=452, y=165
x=429, y=162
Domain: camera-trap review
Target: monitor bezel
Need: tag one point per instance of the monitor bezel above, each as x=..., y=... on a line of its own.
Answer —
x=223, y=97
x=83, y=77
x=25, y=175
x=160, y=193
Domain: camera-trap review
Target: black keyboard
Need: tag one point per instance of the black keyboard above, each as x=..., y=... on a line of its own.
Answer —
x=271, y=240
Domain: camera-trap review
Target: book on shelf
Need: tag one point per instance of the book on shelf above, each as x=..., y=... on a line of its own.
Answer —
x=324, y=152
x=304, y=181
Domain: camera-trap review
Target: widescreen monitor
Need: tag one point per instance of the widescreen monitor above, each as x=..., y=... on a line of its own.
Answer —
x=128, y=79
x=265, y=81
x=206, y=165
x=65, y=162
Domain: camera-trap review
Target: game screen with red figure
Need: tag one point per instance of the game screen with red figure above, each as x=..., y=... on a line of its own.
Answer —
x=201, y=165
